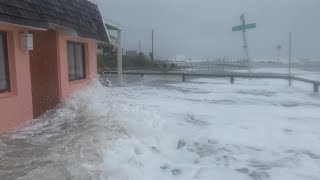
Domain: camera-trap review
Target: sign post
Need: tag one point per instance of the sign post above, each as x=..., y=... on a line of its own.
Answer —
x=243, y=28
x=290, y=46
x=119, y=58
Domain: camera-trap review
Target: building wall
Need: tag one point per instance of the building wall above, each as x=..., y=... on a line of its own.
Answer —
x=66, y=87
x=16, y=106
x=44, y=71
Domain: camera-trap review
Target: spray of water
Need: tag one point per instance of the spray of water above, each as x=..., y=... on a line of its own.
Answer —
x=90, y=136
x=204, y=129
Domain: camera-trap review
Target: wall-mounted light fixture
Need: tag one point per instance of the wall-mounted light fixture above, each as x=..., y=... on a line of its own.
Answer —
x=26, y=41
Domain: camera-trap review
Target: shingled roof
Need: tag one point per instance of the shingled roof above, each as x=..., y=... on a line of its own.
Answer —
x=80, y=15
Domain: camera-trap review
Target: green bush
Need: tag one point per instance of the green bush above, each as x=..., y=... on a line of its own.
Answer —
x=106, y=62
x=140, y=62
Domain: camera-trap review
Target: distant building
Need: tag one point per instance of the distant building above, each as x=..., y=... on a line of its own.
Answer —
x=110, y=48
x=113, y=40
x=47, y=51
x=112, y=31
x=131, y=53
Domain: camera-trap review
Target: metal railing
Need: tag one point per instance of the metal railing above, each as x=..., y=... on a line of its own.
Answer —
x=231, y=75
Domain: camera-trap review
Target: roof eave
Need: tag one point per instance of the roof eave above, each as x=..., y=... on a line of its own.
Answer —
x=112, y=28
x=23, y=26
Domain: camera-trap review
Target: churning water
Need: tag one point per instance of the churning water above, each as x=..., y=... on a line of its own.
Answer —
x=200, y=130
x=77, y=139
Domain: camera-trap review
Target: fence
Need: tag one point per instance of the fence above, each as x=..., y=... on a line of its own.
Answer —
x=214, y=65
x=231, y=62
x=158, y=76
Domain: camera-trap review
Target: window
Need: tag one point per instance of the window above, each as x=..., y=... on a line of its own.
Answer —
x=4, y=64
x=76, y=61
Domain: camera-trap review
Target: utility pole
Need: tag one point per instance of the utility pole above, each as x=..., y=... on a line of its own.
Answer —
x=290, y=46
x=152, y=55
x=119, y=57
x=245, y=42
x=279, y=48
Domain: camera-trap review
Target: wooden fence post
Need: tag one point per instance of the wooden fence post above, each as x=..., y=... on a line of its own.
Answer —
x=183, y=78
x=290, y=81
x=316, y=88
x=232, y=79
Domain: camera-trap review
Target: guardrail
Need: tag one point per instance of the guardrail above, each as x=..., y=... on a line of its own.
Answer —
x=316, y=84
x=230, y=75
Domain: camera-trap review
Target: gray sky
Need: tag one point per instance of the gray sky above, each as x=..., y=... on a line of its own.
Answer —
x=202, y=28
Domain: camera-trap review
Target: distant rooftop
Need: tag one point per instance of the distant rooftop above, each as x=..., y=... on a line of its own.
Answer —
x=111, y=25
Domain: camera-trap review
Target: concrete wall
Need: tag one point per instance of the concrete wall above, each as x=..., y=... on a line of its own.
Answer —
x=16, y=106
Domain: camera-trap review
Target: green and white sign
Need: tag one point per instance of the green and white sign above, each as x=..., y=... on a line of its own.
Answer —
x=244, y=27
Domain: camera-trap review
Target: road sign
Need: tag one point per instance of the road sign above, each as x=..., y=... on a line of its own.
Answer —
x=241, y=28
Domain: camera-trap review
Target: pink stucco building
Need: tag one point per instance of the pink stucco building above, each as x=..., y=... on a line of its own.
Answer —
x=47, y=51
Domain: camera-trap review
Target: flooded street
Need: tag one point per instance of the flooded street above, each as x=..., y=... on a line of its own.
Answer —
x=172, y=131
x=66, y=142
x=159, y=90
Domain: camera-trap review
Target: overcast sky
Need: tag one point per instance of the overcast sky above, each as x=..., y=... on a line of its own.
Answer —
x=202, y=28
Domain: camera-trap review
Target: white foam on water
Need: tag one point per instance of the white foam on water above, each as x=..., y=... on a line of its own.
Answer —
x=204, y=129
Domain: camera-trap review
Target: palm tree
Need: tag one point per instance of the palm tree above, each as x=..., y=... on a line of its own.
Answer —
x=279, y=49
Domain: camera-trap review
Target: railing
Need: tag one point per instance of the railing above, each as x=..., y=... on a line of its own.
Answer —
x=232, y=76
x=316, y=84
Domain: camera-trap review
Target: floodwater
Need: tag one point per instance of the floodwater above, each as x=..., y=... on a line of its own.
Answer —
x=202, y=129
x=63, y=144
